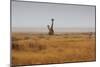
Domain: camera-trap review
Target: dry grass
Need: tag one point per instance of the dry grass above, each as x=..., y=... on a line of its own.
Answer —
x=45, y=49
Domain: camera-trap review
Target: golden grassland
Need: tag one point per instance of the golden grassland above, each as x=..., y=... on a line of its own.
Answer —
x=59, y=48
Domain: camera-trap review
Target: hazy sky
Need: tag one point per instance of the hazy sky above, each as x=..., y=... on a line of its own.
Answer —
x=31, y=14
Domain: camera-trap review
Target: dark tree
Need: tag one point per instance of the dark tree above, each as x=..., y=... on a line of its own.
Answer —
x=90, y=35
x=50, y=28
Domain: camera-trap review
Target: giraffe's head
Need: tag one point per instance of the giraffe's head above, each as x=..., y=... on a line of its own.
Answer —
x=52, y=19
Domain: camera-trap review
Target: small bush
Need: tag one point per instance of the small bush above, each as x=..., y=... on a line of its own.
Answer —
x=37, y=47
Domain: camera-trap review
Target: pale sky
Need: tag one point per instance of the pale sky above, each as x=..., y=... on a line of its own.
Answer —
x=38, y=15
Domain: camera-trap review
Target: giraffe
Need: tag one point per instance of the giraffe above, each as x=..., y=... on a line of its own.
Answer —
x=50, y=28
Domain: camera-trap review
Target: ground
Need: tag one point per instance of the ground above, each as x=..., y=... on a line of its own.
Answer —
x=30, y=48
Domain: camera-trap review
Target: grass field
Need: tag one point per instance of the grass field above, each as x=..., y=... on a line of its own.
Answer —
x=45, y=49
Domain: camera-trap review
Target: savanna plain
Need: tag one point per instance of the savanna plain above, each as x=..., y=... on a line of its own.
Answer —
x=37, y=48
